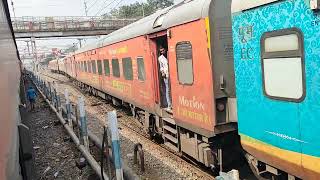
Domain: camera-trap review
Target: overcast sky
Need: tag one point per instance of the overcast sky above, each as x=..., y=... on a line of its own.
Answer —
x=62, y=8
x=65, y=7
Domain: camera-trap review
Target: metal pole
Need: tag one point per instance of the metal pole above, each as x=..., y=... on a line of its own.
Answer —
x=28, y=47
x=56, y=97
x=142, y=9
x=45, y=88
x=49, y=95
x=138, y=149
x=80, y=44
x=68, y=108
x=32, y=51
x=83, y=122
x=85, y=7
x=54, y=102
x=107, y=152
x=35, y=51
x=113, y=125
x=220, y=159
x=128, y=174
x=58, y=100
x=59, y=104
x=14, y=12
x=33, y=41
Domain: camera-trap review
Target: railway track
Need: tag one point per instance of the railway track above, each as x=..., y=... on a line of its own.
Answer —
x=146, y=137
x=135, y=128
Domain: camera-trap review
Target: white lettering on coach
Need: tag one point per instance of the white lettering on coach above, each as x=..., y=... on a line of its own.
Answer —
x=192, y=103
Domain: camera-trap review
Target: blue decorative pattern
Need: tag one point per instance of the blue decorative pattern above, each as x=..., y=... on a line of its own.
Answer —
x=258, y=114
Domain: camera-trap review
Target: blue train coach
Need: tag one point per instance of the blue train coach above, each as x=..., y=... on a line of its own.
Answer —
x=277, y=71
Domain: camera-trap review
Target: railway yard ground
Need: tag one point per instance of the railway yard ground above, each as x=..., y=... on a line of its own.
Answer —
x=160, y=163
x=55, y=153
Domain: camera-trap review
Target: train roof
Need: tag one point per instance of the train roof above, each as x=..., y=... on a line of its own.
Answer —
x=180, y=13
x=56, y=60
x=241, y=5
x=53, y=61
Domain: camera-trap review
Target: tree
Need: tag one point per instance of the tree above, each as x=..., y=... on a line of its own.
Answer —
x=154, y=5
x=70, y=49
x=48, y=58
x=138, y=10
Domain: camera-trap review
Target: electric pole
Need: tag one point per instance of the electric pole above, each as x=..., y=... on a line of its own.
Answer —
x=34, y=52
x=80, y=44
x=28, y=47
x=14, y=13
x=85, y=7
x=142, y=10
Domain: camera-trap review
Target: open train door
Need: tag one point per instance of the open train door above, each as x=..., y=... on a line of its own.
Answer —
x=156, y=40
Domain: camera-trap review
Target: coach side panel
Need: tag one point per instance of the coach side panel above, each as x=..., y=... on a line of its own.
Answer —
x=122, y=70
x=191, y=77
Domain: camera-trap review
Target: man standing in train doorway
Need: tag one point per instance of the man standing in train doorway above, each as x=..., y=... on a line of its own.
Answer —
x=164, y=70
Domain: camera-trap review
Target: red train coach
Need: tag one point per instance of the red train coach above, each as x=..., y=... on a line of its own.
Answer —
x=53, y=65
x=16, y=157
x=61, y=65
x=123, y=66
x=58, y=65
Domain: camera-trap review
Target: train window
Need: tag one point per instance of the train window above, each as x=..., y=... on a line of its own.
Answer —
x=127, y=68
x=99, y=67
x=184, y=62
x=141, y=70
x=106, y=67
x=115, y=68
x=82, y=66
x=85, y=66
x=94, y=68
x=89, y=67
x=283, y=65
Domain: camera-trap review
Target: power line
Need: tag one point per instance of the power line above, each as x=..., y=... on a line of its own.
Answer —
x=104, y=7
x=93, y=4
x=117, y=5
x=114, y=7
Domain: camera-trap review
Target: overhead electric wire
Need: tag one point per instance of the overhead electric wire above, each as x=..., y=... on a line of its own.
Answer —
x=92, y=4
x=116, y=5
x=104, y=7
